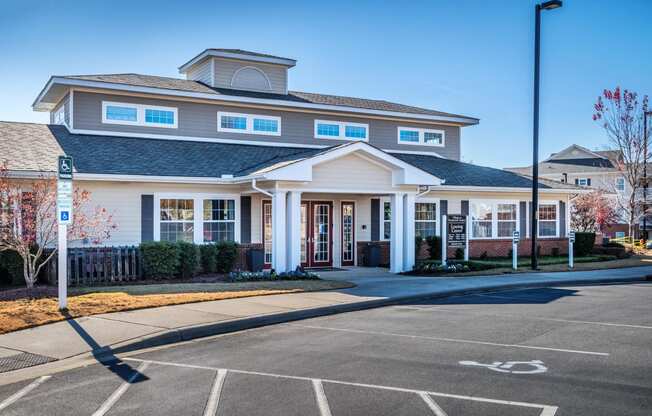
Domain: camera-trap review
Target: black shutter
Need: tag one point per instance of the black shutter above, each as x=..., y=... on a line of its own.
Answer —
x=577, y=181
x=522, y=207
x=465, y=208
x=588, y=181
x=146, y=218
x=375, y=219
x=245, y=219
x=562, y=219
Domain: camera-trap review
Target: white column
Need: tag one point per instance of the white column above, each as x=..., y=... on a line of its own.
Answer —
x=293, y=219
x=396, y=244
x=408, y=234
x=62, y=267
x=279, y=244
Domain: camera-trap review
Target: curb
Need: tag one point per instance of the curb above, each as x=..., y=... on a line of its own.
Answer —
x=219, y=328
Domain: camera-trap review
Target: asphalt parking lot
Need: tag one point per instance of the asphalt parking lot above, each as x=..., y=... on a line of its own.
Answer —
x=583, y=350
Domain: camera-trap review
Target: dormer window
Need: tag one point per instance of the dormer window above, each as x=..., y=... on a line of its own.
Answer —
x=248, y=123
x=139, y=115
x=428, y=137
x=341, y=130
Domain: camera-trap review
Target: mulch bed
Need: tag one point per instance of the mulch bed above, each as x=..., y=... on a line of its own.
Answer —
x=24, y=293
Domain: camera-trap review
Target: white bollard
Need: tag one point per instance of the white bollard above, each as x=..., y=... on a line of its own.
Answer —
x=62, y=268
x=467, y=249
x=515, y=239
x=444, y=233
x=571, y=240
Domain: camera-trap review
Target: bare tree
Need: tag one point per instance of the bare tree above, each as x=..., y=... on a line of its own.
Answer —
x=593, y=212
x=28, y=223
x=621, y=115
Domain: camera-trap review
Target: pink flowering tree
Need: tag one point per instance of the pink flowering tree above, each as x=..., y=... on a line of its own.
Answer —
x=593, y=212
x=621, y=115
x=28, y=223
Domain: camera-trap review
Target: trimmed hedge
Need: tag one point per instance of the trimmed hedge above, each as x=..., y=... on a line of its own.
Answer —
x=434, y=247
x=227, y=254
x=160, y=259
x=188, y=255
x=208, y=255
x=584, y=243
x=11, y=268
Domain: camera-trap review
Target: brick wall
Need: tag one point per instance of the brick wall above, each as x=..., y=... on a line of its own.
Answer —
x=502, y=248
x=243, y=254
x=384, y=252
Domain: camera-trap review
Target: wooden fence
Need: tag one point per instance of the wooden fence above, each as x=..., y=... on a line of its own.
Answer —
x=99, y=265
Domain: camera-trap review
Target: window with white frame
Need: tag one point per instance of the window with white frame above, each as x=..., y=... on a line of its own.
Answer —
x=177, y=220
x=620, y=184
x=387, y=220
x=425, y=219
x=139, y=115
x=428, y=137
x=219, y=220
x=341, y=130
x=493, y=219
x=548, y=217
x=248, y=123
x=59, y=116
x=583, y=181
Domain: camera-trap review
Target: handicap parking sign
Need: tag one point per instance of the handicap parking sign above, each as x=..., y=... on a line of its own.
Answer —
x=64, y=217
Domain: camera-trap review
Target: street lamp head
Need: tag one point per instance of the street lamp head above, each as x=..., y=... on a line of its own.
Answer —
x=551, y=5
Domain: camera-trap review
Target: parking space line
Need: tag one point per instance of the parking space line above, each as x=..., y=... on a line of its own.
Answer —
x=457, y=340
x=22, y=392
x=438, y=411
x=216, y=391
x=547, y=410
x=322, y=400
x=115, y=396
x=534, y=318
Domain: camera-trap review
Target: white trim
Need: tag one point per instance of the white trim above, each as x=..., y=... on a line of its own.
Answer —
x=235, y=74
x=421, y=134
x=342, y=125
x=140, y=115
x=556, y=204
x=584, y=179
x=415, y=152
x=429, y=200
x=509, y=189
x=71, y=114
x=381, y=235
x=234, y=55
x=162, y=179
x=198, y=216
x=239, y=99
x=249, y=129
x=59, y=116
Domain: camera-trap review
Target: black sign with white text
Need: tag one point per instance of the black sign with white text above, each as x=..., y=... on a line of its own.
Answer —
x=456, y=231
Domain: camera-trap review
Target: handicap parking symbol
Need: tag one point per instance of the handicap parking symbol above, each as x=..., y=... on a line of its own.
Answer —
x=512, y=367
x=65, y=216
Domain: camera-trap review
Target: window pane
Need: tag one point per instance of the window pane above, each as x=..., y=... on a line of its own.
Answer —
x=482, y=229
x=547, y=212
x=233, y=122
x=263, y=124
x=328, y=129
x=387, y=212
x=547, y=228
x=425, y=229
x=481, y=211
x=506, y=212
x=411, y=136
x=219, y=231
x=425, y=211
x=219, y=210
x=177, y=209
x=159, y=116
x=355, y=132
x=506, y=228
x=387, y=230
x=177, y=231
x=433, y=138
x=114, y=112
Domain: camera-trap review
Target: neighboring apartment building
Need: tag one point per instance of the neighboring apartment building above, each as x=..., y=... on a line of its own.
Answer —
x=229, y=153
x=583, y=167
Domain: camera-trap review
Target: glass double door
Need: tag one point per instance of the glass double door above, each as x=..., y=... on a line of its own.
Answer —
x=316, y=233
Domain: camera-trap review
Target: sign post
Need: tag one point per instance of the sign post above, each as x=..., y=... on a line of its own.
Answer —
x=571, y=241
x=516, y=236
x=64, y=217
x=444, y=244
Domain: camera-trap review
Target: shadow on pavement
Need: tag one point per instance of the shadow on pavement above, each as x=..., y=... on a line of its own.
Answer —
x=105, y=356
x=528, y=296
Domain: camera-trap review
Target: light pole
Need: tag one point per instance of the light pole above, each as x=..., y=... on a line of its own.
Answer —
x=548, y=5
x=645, y=114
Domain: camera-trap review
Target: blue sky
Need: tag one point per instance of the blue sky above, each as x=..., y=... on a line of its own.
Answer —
x=463, y=56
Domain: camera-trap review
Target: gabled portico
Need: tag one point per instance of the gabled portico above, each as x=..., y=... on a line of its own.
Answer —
x=315, y=205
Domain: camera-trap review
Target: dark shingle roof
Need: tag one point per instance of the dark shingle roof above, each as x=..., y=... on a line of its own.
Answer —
x=292, y=96
x=37, y=146
x=243, y=52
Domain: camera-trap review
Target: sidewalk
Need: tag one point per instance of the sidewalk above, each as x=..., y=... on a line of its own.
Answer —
x=124, y=331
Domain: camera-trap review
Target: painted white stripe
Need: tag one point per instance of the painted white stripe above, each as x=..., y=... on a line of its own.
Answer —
x=371, y=386
x=115, y=396
x=533, y=318
x=216, y=392
x=549, y=411
x=22, y=392
x=438, y=411
x=465, y=341
x=322, y=400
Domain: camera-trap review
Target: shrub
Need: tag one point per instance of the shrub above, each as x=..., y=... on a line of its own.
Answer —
x=434, y=247
x=11, y=268
x=459, y=253
x=208, y=255
x=227, y=254
x=484, y=256
x=188, y=255
x=584, y=243
x=418, y=240
x=160, y=259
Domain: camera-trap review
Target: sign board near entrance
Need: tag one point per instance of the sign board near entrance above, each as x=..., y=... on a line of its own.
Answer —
x=65, y=167
x=456, y=231
x=64, y=201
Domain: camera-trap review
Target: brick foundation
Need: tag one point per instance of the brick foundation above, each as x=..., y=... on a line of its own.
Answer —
x=243, y=254
x=384, y=252
x=502, y=248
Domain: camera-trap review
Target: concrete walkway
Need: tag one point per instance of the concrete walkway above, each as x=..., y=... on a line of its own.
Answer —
x=123, y=331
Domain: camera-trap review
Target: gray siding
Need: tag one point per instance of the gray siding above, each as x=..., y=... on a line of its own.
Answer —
x=65, y=102
x=226, y=68
x=201, y=72
x=200, y=120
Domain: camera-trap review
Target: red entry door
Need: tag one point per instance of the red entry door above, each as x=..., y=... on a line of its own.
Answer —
x=317, y=233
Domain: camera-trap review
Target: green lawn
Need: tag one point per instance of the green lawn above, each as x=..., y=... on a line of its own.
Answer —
x=543, y=260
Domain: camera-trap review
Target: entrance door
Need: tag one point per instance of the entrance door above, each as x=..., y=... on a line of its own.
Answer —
x=316, y=234
x=348, y=233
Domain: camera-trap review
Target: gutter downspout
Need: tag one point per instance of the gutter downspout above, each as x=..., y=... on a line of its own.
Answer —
x=256, y=188
x=420, y=194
